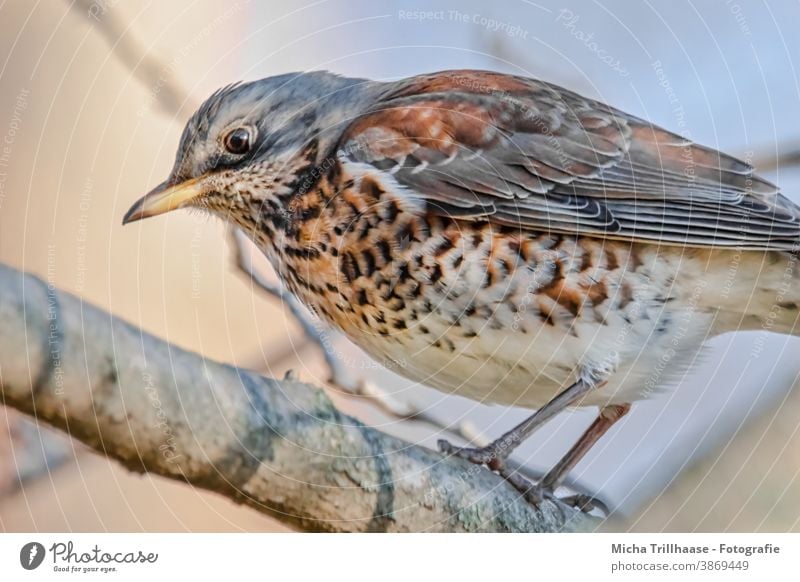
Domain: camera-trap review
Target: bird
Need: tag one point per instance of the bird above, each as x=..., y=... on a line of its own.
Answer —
x=495, y=236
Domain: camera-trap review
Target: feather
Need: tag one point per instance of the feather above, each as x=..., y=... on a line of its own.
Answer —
x=521, y=152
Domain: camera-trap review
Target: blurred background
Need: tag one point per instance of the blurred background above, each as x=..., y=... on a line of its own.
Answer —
x=94, y=95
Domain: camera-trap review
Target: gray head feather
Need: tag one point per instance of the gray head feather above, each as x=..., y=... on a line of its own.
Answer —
x=287, y=111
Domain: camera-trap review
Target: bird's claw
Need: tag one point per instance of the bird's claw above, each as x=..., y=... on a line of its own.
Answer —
x=586, y=503
x=534, y=493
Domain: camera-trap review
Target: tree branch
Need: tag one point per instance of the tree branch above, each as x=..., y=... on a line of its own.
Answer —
x=280, y=447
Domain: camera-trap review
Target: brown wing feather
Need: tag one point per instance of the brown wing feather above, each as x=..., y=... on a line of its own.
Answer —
x=525, y=153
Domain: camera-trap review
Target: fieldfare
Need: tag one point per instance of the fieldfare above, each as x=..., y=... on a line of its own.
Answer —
x=495, y=236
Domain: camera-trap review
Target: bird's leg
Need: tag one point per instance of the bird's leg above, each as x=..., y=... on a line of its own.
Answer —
x=608, y=416
x=535, y=493
x=494, y=454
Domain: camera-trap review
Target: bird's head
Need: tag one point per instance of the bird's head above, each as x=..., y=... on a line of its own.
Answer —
x=246, y=148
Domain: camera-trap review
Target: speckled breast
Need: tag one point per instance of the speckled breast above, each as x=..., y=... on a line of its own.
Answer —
x=493, y=313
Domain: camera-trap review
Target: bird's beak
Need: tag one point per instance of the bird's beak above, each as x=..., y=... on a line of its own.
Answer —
x=163, y=198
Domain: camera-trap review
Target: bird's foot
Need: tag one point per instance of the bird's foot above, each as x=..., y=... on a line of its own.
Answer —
x=492, y=457
x=537, y=493
x=534, y=493
x=586, y=503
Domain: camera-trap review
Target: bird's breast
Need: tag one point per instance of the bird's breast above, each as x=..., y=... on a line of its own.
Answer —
x=490, y=312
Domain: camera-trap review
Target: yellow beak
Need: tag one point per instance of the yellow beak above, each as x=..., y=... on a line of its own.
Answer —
x=164, y=198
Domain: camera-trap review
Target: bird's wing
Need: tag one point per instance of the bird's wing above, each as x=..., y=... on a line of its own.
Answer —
x=524, y=153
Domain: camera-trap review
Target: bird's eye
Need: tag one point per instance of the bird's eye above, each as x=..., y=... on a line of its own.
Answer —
x=238, y=141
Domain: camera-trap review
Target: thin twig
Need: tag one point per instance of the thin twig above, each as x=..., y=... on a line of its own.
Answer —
x=787, y=157
x=313, y=329
x=151, y=72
